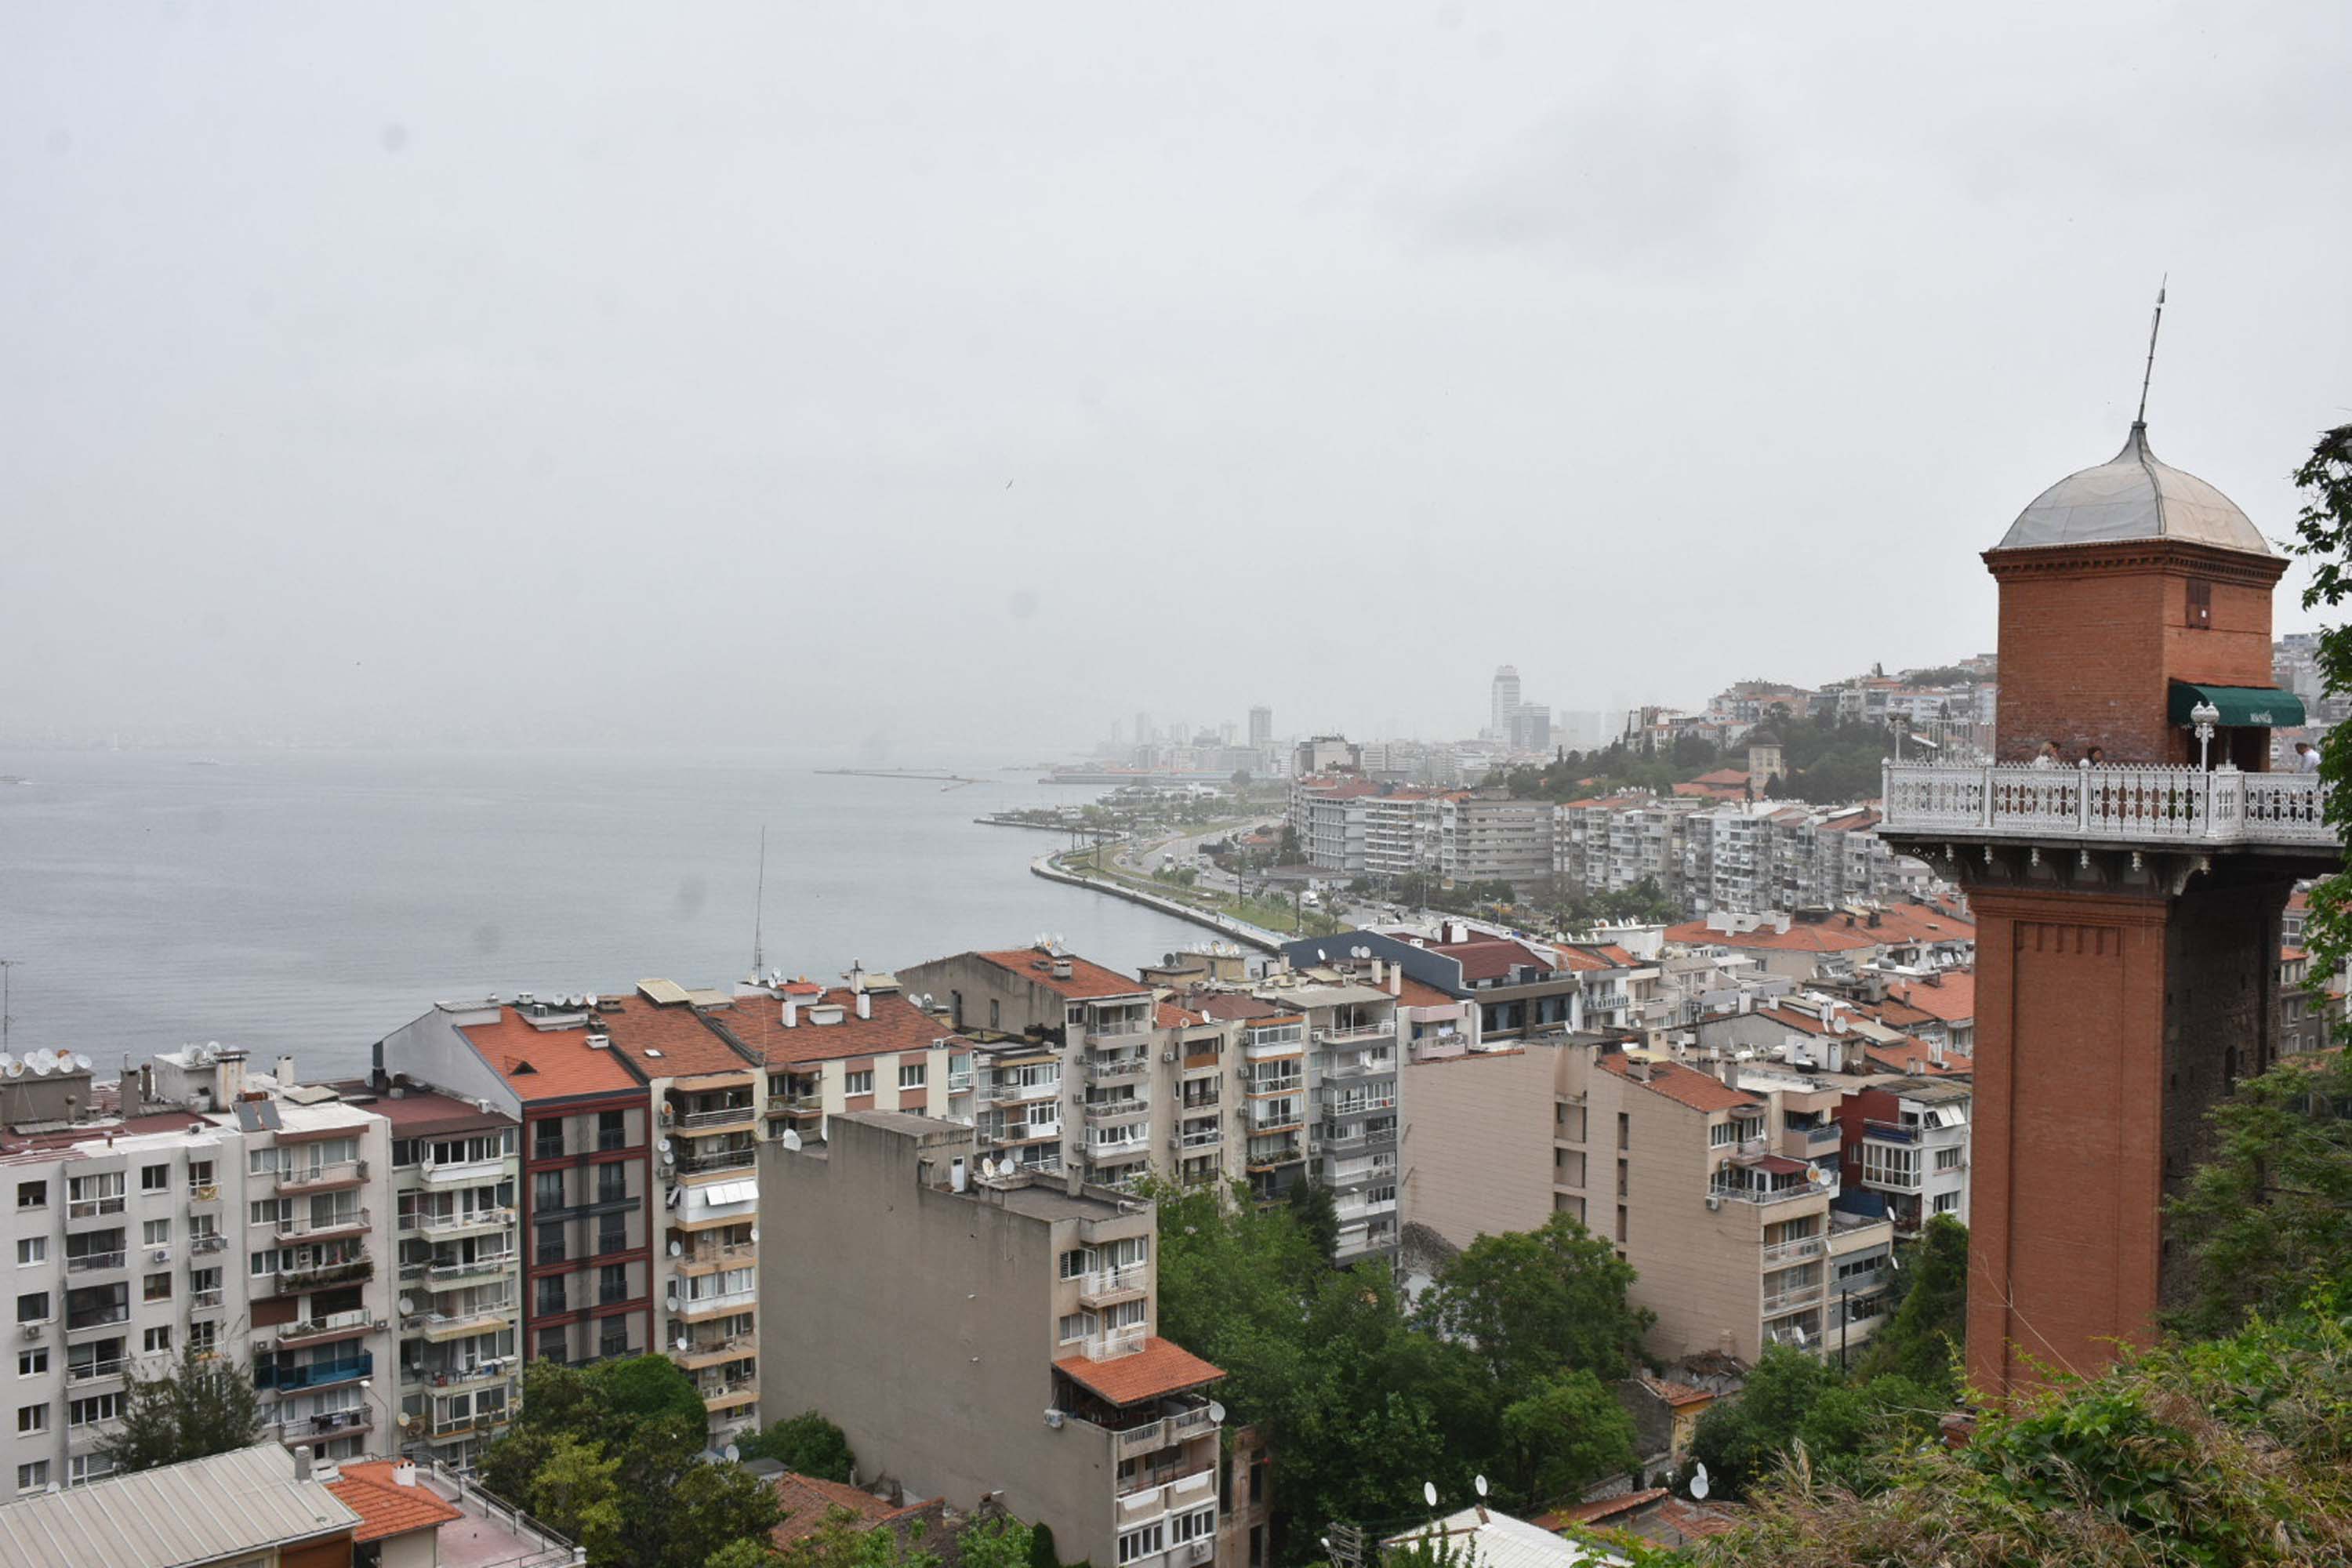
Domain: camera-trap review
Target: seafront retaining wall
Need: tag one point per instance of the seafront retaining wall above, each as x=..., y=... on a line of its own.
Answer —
x=1255, y=935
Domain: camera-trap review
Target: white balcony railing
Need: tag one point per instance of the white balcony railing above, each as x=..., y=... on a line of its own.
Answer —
x=2126, y=804
x=1113, y=1344
x=1111, y=1281
x=1384, y=1029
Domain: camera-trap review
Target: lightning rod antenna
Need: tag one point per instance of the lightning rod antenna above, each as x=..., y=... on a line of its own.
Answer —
x=759, y=911
x=2149, y=373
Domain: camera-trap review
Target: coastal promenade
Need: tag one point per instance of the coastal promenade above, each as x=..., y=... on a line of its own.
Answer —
x=1243, y=930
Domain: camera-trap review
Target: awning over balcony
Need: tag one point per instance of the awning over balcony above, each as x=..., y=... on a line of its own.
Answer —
x=2244, y=707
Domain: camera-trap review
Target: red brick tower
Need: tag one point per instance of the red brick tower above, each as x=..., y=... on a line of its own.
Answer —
x=2128, y=914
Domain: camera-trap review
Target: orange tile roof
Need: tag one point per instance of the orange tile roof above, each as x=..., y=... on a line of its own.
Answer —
x=1952, y=1002
x=808, y=1501
x=1086, y=982
x=1413, y=993
x=1915, y=1057
x=1896, y=923
x=670, y=1041
x=1594, y=1512
x=386, y=1508
x=547, y=1064
x=1160, y=1367
x=1696, y=1522
x=897, y=1024
x=1684, y=1086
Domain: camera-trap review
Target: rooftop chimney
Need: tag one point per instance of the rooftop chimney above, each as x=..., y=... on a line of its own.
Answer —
x=792, y=1014
x=865, y=1003
x=1074, y=1182
x=285, y=1071
x=403, y=1474
x=301, y=1461
x=1396, y=979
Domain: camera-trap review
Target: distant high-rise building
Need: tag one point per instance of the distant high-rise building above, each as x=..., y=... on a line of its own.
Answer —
x=1502, y=702
x=1531, y=727
x=1142, y=727
x=1261, y=731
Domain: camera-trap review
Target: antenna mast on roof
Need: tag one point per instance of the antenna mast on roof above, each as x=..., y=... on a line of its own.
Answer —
x=2149, y=374
x=760, y=911
x=6, y=965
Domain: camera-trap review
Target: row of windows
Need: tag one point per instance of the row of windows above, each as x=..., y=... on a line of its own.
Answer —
x=492, y=1145
x=79, y=1470
x=105, y=1185
x=1076, y=1326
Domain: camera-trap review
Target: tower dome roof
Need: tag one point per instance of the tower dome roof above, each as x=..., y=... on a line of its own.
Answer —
x=2133, y=496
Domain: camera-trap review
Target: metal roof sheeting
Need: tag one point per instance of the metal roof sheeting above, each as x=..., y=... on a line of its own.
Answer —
x=234, y=1503
x=2133, y=496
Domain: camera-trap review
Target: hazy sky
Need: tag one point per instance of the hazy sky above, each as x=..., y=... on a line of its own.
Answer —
x=977, y=372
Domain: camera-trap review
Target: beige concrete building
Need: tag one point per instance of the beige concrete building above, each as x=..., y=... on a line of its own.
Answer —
x=980, y=1335
x=1720, y=1197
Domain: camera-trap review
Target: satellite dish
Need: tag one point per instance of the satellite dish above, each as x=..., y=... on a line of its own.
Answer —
x=406, y=1306
x=683, y=1342
x=1698, y=1488
x=1821, y=1176
x=1429, y=1491
x=1480, y=1482
x=82, y=1062
x=1799, y=1332
x=791, y=1138
x=675, y=1247
x=755, y=1235
x=665, y=1145
x=732, y=1453
x=1216, y=1412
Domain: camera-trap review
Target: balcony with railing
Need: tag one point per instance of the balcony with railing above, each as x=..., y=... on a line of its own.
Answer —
x=1795, y=1250
x=1105, y=1287
x=699, y=1165
x=464, y=1323
x=97, y=1262
x=1196, y=1138
x=2128, y=804
x=1355, y=1034
x=464, y=1173
x=739, y=1113
x=728, y=1394
x=723, y=1255
x=337, y=1272
x=1113, y=1344
x=1113, y=1069
x=324, y=1329
x=309, y=1227
x=459, y=1222
x=703, y=1352
x=286, y=1376
x=322, y=1177
x=1262, y=1084
x=204, y=1196
x=1007, y=1089
x=80, y=1209
x=1762, y=1191
x=696, y=1309
x=480, y=1270
x=1116, y=1112
x=1030, y=1132
x=79, y=1372
x=1360, y=1064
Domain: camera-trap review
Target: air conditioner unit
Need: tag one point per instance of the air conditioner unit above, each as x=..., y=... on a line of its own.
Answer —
x=33, y=1330
x=1713, y=1202
x=161, y=1255
x=1167, y=1056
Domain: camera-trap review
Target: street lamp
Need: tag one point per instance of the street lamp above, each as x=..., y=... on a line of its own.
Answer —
x=2204, y=716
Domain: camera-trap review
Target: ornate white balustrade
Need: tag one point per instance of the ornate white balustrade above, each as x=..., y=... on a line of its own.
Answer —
x=2122, y=805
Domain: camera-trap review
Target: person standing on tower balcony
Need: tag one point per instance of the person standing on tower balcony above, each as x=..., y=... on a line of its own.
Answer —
x=2048, y=756
x=2306, y=757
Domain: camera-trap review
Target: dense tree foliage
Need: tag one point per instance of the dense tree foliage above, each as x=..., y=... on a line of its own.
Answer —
x=2323, y=538
x=1926, y=1331
x=1827, y=763
x=1365, y=1401
x=807, y=1443
x=1792, y=1399
x=612, y=1455
x=2268, y=1218
x=1536, y=1303
x=204, y=1405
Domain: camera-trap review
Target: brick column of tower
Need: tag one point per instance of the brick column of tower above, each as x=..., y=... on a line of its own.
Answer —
x=2127, y=913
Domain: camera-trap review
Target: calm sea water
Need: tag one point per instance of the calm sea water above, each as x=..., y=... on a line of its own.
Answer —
x=309, y=903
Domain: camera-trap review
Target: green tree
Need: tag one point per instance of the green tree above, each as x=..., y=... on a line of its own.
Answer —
x=1041, y=1546
x=806, y=1443
x=649, y=1388
x=1564, y=1436
x=1318, y=1214
x=2323, y=530
x=2268, y=1219
x=844, y=1540
x=1537, y=1302
x=1002, y=1542
x=1742, y=1440
x=577, y=1490
x=745, y=1554
x=1926, y=1332
x=204, y=1405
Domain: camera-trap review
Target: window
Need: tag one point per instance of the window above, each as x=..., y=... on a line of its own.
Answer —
x=612, y=1233
x=1948, y=1203
x=32, y=1307
x=611, y=1182
x=32, y=1478
x=204, y=1337
x=101, y=1193
x=1948, y=1159
x=154, y=1178
x=1076, y=1326
x=551, y=1344
x=32, y=1418
x=547, y=1142
x=156, y=1233
x=547, y=1191
x=612, y=1283
x=90, y=1412
x=1721, y=1135
x=614, y=1340
x=158, y=1341
x=200, y=1175
x=32, y=1195
x=261, y=1162
x=1197, y=1525
x=83, y=1468
x=1148, y=1542
x=1127, y=1315
x=158, y=1288
x=33, y=1362
x=32, y=1249
x=996, y=1014
x=550, y=1295
x=551, y=1244
x=911, y=1075
x=612, y=1128
x=1075, y=1262
x=858, y=1082
x=2200, y=605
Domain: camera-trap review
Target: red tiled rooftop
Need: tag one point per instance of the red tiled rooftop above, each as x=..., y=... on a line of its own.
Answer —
x=547, y=1064
x=897, y=1025
x=1492, y=957
x=1594, y=1512
x=425, y=1109
x=669, y=1040
x=1917, y=1058
x=1840, y=934
x=1160, y=1367
x=1086, y=980
x=386, y=1508
x=808, y=1501
x=1684, y=1086
x=1952, y=1000
x=1413, y=993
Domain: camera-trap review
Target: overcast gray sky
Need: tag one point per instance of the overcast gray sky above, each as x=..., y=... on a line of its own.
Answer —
x=963, y=372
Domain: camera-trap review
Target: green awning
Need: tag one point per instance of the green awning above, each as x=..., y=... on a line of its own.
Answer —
x=2248, y=707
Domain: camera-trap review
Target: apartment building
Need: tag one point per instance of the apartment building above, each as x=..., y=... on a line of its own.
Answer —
x=1403, y=833
x=988, y=1335
x=1833, y=945
x=456, y=1174
x=585, y=1213
x=1322, y=1079
x=1330, y=814
x=1722, y=1199
x=708, y=1103
x=1908, y=1141
x=318, y=1184
x=1132, y=1074
x=1493, y=838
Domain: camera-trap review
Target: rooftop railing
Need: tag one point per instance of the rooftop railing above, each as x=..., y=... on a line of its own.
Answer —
x=2126, y=804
